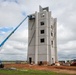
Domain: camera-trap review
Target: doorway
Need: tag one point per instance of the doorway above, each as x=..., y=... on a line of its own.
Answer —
x=30, y=60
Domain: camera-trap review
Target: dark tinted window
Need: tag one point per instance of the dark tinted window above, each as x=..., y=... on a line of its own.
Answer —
x=42, y=40
x=42, y=23
x=42, y=31
x=52, y=43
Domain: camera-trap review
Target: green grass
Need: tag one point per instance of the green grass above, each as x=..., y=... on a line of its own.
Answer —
x=28, y=72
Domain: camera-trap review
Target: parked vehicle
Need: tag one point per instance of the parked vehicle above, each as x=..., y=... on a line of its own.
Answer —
x=73, y=62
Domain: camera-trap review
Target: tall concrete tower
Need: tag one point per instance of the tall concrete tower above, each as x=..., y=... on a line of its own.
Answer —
x=42, y=38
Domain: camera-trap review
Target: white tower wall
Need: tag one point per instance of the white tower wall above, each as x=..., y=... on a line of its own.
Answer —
x=42, y=42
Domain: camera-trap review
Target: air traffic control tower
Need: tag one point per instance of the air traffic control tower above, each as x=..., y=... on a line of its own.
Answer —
x=42, y=37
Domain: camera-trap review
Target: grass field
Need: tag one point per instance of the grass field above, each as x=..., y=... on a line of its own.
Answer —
x=29, y=72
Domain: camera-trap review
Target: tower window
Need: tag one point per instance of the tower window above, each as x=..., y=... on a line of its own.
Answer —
x=42, y=40
x=52, y=43
x=42, y=31
x=51, y=34
x=43, y=15
x=42, y=23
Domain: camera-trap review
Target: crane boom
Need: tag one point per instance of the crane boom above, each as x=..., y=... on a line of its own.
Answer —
x=13, y=32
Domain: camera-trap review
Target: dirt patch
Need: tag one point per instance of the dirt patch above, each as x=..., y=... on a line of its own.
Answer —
x=58, y=69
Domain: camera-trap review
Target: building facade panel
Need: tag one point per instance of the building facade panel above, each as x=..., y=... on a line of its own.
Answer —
x=31, y=50
x=42, y=49
x=42, y=57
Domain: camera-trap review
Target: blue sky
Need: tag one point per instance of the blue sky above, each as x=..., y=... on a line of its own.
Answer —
x=6, y=29
x=12, y=12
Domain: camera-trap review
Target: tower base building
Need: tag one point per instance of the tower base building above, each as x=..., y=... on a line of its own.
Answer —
x=42, y=37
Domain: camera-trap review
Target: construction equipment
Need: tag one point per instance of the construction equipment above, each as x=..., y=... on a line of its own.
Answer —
x=12, y=32
x=30, y=17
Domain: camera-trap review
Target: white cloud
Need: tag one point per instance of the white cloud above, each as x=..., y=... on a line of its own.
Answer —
x=12, y=13
x=71, y=45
